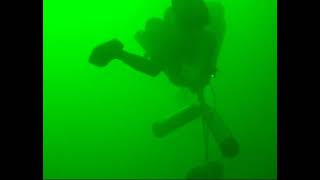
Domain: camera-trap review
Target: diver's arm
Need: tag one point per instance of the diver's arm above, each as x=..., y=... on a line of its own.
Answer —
x=111, y=50
x=140, y=63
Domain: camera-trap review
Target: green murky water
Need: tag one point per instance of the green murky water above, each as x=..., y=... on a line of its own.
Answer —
x=97, y=121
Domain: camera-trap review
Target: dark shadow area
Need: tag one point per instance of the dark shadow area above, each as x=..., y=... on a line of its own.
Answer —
x=211, y=170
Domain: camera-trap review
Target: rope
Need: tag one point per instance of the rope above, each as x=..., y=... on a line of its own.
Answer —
x=205, y=129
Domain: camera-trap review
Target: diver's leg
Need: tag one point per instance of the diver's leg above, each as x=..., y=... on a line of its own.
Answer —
x=177, y=120
x=219, y=130
x=221, y=133
x=140, y=63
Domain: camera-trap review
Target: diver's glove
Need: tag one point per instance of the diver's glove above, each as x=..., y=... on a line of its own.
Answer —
x=106, y=52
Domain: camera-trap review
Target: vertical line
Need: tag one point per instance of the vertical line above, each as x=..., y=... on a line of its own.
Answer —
x=205, y=128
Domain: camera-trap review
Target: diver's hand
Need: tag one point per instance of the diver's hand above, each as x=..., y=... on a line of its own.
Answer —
x=104, y=53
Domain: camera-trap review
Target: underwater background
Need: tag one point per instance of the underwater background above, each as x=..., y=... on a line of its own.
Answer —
x=97, y=121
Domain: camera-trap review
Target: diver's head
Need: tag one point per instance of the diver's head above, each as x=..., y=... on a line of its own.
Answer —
x=192, y=14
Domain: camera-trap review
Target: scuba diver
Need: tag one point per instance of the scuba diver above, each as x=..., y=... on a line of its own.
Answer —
x=185, y=45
